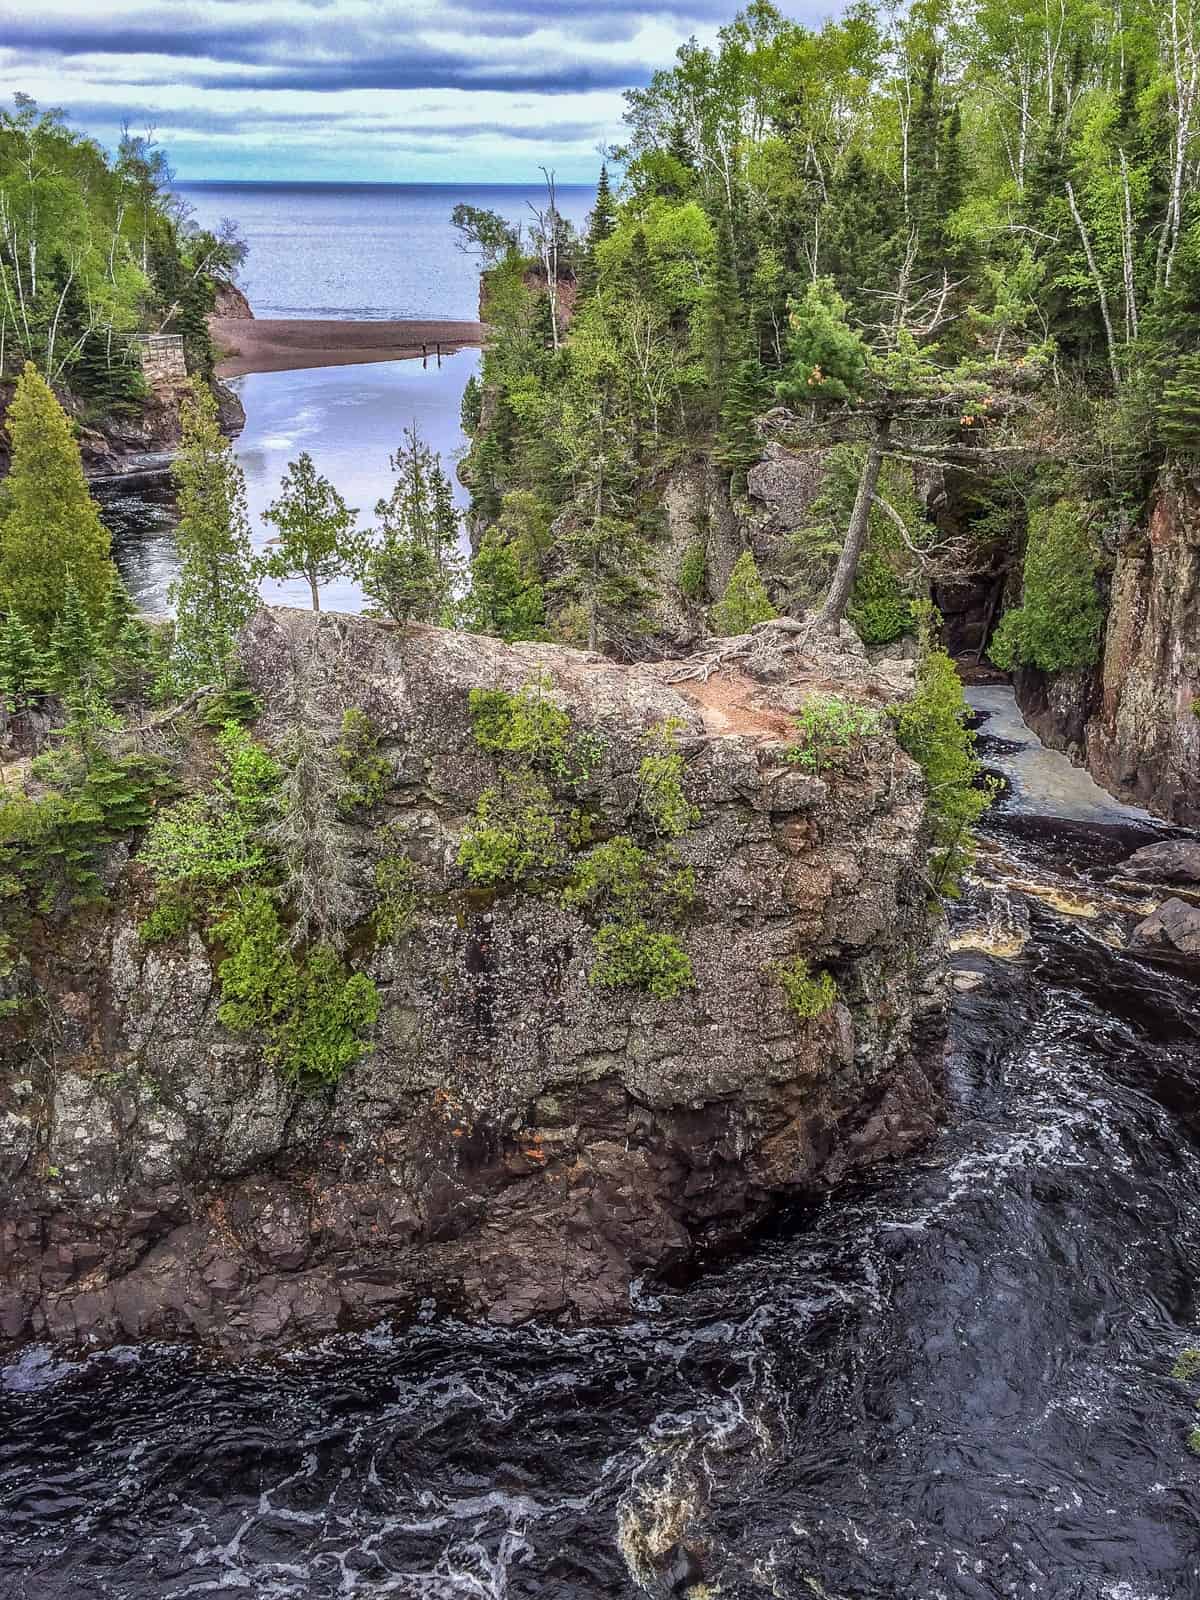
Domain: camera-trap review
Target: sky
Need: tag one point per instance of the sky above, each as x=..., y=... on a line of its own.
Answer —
x=376, y=90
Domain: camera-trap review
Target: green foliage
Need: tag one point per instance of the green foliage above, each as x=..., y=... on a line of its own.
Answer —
x=1060, y=620
x=879, y=610
x=54, y=845
x=22, y=672
x=663, y=804
x=745, y=600
x=808, y=996
x=831, y=731
x=315, y=530
x=397, y=892
x=410, y=564
x=504, y=599
x=932, y=728
x=173, y=915
x=208, y=841
x=1178, y=412
x=1187, y=1366
x=216, y=591
x=313, y=1013
x=513, y=835
x=237, y=703
x=632, y=955
x=527, y=726
x=50, y=528
x=693, y=570
x=366, y=771
x=827, y=359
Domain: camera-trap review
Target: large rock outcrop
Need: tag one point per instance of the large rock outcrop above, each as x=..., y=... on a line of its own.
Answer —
x=1133, y=723
x=519, y=1142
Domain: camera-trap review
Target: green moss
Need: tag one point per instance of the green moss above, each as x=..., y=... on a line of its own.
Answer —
x=365, y=771
x=808, y=996
x=398, y=897
x=830, y=731
x=1193, y=1441
x=633, y=955
x=171, y=917
x=1187, y=1366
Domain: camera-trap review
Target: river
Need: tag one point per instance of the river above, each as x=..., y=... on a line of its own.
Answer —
x=949, y=1379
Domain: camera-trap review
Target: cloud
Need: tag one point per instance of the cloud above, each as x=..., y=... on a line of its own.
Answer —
x=228, y=82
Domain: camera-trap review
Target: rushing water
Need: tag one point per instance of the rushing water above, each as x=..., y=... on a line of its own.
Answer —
x=950, y=1379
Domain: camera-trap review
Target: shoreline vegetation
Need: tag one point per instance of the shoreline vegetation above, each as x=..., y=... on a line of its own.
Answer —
x=290, y=344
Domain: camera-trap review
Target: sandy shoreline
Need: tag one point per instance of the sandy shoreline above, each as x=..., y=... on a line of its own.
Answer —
x=278, y=345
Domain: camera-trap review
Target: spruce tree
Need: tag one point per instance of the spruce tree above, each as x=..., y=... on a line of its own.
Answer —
x=22, y=670
x=1178, y=412
x=601, y=223
x=725, y=333
x=410, y=563
x=738, y=445
x=51, y=524
x=745, y=600
x=76, y=667
x=315, y=529
x=503, y=600
x=216, y=591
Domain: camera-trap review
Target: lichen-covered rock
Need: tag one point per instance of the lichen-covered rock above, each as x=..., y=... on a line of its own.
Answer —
x=518, y=1142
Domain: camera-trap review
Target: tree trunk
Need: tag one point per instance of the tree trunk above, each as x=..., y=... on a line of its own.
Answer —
x=840, y=589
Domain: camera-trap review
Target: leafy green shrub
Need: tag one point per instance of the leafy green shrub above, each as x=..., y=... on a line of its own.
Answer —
x=171, y=917
x=313, y=1013
x=366, y=771
x=879, y=610
x=693, y=570
x=663, y=804
x=745, y=600
x=831, y=730
x=931, y=727
x=527, y=725
x=808, y=996
x=209, y=841
x=512, y=835
x=632, y=955
x=1060, y=620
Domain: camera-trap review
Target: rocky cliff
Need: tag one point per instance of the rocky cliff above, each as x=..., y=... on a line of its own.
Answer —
x=1133, y=722
x=518, y=1142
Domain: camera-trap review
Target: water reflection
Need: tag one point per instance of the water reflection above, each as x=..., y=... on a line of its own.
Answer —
x=349, y=419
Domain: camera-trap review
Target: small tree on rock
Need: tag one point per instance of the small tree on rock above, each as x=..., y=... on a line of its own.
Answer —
x=315, y=529
x=216, y=591
x=745, y=600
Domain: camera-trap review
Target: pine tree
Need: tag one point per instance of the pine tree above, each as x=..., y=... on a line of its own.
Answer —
x=601, y=224
x=410, y=563
x=725, y=333
x=51, y=525
x=76, y=659
x=827, y=359
x=1178, y=412
x=22, y=671
x=738, y=445
x=315, y=529
x=503, y=599
x=745, y=600
x=216, y=591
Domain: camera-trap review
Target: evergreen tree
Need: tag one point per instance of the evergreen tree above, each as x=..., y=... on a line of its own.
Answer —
x=725, y=332
x=315, y=529
x=601, y=223
x=738, y=444
x=410, y=564
x=50, y=523
x=1178, y=413
x=22, y=670
x=216, y=591
x=827, y=359
x=503, y=599
x=76, y=667
x=745, y=600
